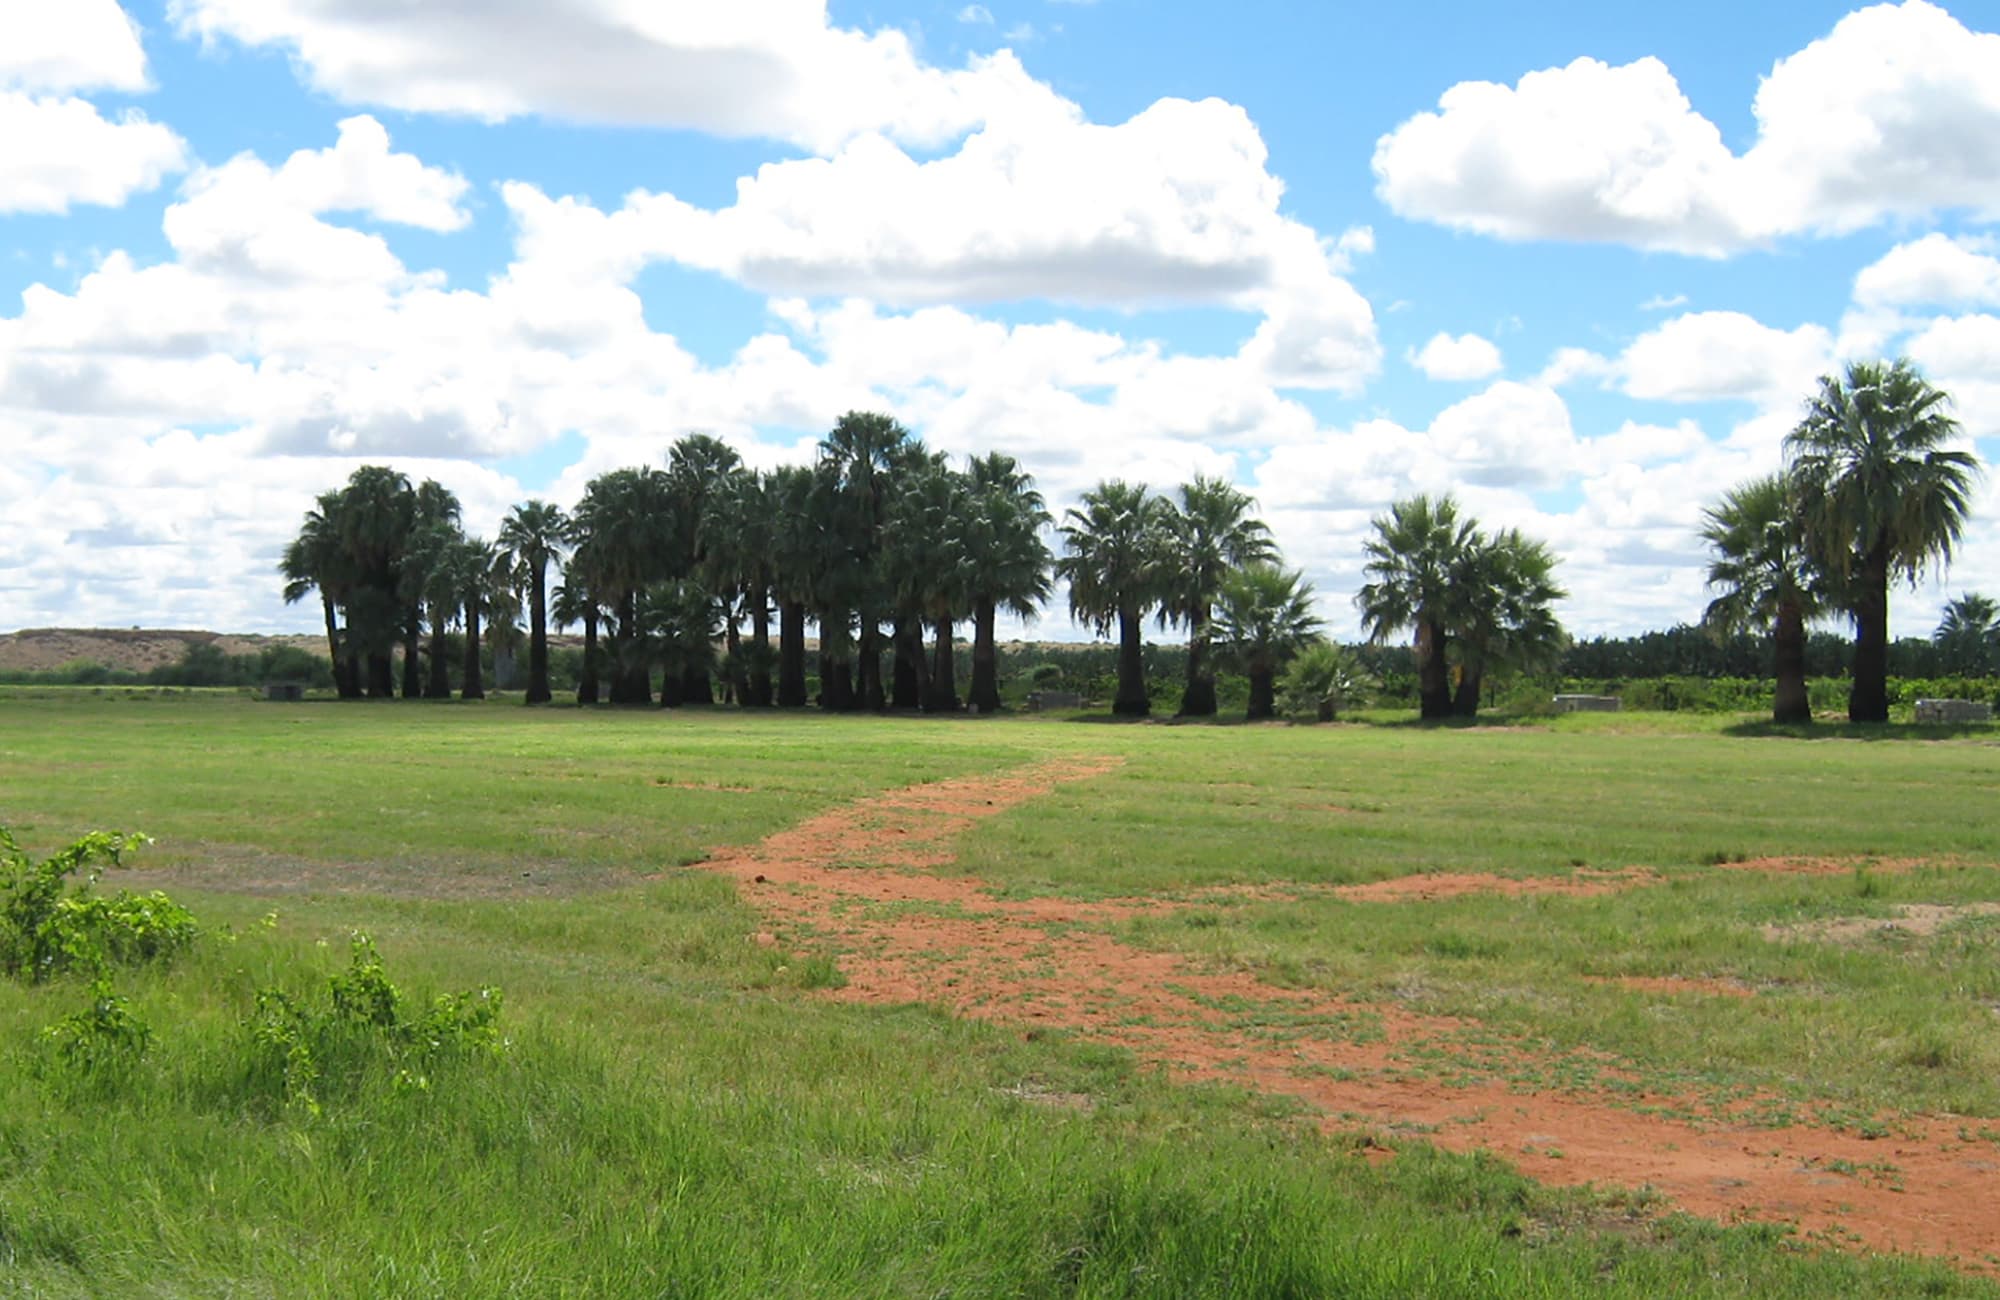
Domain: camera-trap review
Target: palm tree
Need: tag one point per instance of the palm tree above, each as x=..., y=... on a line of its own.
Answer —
x=1324, y=678
x=1883, y=496
x=1211, y=535
x=1766, y=581
x=377, y=508
x=794, y=554
x=931, y=560
x=431, y=580
x=1113, y=561
x=1264, y=614
x=1005, y=520
x=1418, y=549
x=1505, y=593
x=1968, y=636
x=482, y=572
x=861, y=452
x=625, y=523
x=573, y=603
x=316, y=561
x=533, y=534
x=433, y=507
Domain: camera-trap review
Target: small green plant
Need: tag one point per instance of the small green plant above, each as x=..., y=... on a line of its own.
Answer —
x=295, y=1044
x=52, y=921
x=1323, y=679
x=104, y=1040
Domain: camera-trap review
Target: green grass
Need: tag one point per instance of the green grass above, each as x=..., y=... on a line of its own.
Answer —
x=676, y=1116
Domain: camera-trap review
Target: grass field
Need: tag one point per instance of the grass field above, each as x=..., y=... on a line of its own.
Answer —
x=878, y=1075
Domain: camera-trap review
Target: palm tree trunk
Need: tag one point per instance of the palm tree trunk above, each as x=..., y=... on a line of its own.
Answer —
x=439, y=687
x=792, y=655
x=1433, y=678
x=631, y=675
x=586, y=678
x=1465, y=704
x=736, y=689
x=696, y=687
x=1198, y=696
x=381, y=676
x=985, y=660
x=673, y=690
x=908, y=689
x=1868, y=701
x=538, y=638
x=759, y=695
x=870, y=683
x=1131, y=698
x=413, y=635
x=474, y=686
x=941, y=693
x=1788, y=644
x=340, y=681
x=1263, y=693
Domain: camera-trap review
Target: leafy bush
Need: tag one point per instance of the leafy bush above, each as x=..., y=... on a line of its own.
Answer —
x=1323, y=679
x=295, y=1047
x=49, y=924
x=102, y=1041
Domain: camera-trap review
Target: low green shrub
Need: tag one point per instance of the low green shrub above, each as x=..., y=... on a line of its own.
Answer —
x=52, y=921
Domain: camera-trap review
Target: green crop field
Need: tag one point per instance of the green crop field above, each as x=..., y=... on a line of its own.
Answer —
x=1094, y=1010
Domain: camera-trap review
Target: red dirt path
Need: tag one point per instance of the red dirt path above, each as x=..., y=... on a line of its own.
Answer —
x=860, y=876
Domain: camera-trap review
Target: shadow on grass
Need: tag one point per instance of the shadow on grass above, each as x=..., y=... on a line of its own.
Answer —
x=1865, y=730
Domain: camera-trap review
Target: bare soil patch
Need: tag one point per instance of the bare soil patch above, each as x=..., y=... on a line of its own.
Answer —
x=1919, y=920
x=1676, y=985
x=861, y=879
x=1450, y=884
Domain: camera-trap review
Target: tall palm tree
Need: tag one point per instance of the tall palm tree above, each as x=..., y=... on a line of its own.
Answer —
x=534, y=534
x=794, y=556
x=377, y=509
x=1968, y=635
x=1766, y=581
x=931, y=558
x=1264, y=614
x=1010, y=566
x=432, y=581
x=572, y=602
x=1417, y=550
x=1211, y=535
x=482, y=571
x=1505, y=594
x=861, y=452
x=1114, y=548
x=1883, y=495
x=626, y=524
x=432, y=506
x=316, y=561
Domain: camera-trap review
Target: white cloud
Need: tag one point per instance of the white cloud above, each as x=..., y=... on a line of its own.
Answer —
x=1175, y=206
x=1707, y=356
x=779, y=69
x=1870, y=123
x=70, y=45
x=1936, y=269
x=59, y=152
x=1962, y=356
x=1664, y=302
x=976, y=14
x=1466, y=357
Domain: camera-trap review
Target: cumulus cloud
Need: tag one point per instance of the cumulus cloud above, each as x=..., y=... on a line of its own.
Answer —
x=1704, y=357
x=1174, y=206
x=1869, y=123
x=1935, y=270
x=56, y=152
x=779, y=69
x=74, y=45
x=1466, y=357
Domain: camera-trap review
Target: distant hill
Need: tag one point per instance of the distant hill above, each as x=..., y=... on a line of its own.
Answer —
x=44, y=649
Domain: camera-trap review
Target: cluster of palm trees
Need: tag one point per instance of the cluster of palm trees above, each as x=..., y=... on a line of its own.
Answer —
x=390, y=559
x=1477, y=602
x=1871, y=490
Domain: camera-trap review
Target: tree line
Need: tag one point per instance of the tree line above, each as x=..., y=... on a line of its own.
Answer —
x=884, y=549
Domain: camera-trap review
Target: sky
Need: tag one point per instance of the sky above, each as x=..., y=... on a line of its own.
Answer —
x=1579, y=264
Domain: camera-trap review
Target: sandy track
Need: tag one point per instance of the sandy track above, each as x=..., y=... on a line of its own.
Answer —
x=862, y=878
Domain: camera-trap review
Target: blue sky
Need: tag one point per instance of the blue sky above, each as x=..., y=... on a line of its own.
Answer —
x=1580, y=264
